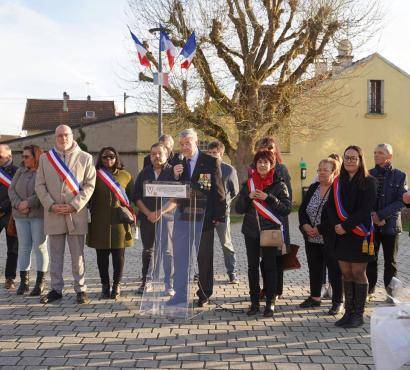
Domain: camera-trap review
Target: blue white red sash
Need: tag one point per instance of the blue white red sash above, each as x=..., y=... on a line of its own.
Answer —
x=261, y=208
x=63, y=171
x=360, y=230
x=5, y=178
x=108, y=179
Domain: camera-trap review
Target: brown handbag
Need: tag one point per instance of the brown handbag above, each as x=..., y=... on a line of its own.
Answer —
x=290, y=260
x=11, y=227
x=271, y=238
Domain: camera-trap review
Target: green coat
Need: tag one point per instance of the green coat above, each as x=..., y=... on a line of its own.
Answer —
x=104, y=231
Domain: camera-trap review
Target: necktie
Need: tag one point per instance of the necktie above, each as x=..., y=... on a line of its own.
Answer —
x=188, y=170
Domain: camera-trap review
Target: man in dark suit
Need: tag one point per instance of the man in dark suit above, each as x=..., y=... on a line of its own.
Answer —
x=168, y=142
x=204, y=174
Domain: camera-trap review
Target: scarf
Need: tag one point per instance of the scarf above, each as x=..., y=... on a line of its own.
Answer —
x=262, y=183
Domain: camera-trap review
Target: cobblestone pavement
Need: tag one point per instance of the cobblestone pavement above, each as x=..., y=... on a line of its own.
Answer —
x=108, y=334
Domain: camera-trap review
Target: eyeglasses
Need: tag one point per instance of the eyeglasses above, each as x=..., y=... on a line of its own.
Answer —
x=348, y=158
x=108, y=157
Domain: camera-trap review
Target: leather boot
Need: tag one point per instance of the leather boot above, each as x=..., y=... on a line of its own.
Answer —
x=105, y=291
x=116, y=291
x=348, y=287
x=24, y=281
x=360, y=295
x=39, y=286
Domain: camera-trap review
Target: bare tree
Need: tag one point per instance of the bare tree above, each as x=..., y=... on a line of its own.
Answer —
x=253, y=69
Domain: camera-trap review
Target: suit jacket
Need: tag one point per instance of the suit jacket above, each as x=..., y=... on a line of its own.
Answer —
x=51, y=189
x=208, y=166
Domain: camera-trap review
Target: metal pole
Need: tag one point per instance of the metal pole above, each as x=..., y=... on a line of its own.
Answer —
x=160, y=128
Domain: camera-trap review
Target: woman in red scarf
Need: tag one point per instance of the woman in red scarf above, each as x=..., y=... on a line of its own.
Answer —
x=263, y=194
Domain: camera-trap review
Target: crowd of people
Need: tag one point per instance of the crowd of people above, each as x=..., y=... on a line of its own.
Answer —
x=61, y=196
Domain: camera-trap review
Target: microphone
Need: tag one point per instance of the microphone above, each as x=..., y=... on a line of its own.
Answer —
x=180, y=161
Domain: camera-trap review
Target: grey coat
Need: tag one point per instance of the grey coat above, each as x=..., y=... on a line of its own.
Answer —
x=23, y=188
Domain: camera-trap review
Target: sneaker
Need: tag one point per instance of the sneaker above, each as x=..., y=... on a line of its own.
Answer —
x=233, y=279
x=309, y=303
x=82, y=298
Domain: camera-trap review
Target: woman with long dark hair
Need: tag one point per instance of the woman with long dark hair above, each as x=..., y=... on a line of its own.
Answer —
x=351, y=201
x=107, y=233
x=262, y=195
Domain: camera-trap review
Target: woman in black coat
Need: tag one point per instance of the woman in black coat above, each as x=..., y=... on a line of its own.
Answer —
x=352, y=199
x=320, y=238
x=271, y=193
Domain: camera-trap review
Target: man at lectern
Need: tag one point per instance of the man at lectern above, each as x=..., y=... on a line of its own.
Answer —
x=204, y=174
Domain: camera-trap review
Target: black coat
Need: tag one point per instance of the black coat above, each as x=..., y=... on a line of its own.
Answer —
x=278, y=202
x=5, y=204
x=324, y=227
x=214, y=197
x=358, y=203
x=389, y=205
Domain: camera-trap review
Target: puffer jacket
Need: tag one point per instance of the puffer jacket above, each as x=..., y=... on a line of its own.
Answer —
x=278, y=202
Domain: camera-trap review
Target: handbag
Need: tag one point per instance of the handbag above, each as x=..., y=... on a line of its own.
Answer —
x=11, y=227
x=269, y=238
x=290, y=260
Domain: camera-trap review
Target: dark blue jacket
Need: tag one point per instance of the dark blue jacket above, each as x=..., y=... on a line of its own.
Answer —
x=390, y=204
x=5, y=204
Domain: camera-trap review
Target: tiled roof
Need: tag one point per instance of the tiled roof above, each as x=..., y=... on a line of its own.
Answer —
x=43, y=114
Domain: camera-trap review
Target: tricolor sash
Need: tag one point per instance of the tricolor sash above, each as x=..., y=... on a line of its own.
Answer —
x=359, y=230
x=63, y=171
x=261, y=208
x=5, y=178
x=109, y=180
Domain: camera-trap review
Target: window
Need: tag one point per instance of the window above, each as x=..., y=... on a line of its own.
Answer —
x=375, y=97
x=203, y=145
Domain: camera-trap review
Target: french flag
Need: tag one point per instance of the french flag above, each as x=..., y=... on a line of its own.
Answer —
x=188, y=51
x=142, y=52
x=168, y=46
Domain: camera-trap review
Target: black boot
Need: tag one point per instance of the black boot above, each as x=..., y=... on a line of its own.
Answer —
x=269, y=307
x=24, y=281
x=116, y=291
x=255, y=306
x=348, y=287
x=105, y=291
x=39, y=287
x=360, y=295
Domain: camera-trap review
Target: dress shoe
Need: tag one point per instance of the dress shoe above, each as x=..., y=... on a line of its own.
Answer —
x=202, y=302
x=116, y=291
x=82, y=298
x=9, y=284
x=105, y=291
x=51, y=296
x=268, y=311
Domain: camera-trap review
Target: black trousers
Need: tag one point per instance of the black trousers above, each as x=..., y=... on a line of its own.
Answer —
x=269, y=269
x=319, y=257
x=147, y=229
x=279, y=269
x=390, y=244
x=12, y=250
x=103, y=260
x=206, y=263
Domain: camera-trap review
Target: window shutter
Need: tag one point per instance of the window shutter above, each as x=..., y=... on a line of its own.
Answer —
x=369, y=96
x=382, y=97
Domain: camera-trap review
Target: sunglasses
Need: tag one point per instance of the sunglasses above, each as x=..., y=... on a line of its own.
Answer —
x=108, y=157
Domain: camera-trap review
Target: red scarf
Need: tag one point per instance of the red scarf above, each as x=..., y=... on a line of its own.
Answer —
x=262, y=183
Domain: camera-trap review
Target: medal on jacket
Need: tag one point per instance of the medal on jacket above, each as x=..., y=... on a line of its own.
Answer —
x=204, y=181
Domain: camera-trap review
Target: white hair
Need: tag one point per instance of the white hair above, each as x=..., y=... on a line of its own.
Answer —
x=387, y=148
x=63, y=126
x=6, y=148
x=189, y=132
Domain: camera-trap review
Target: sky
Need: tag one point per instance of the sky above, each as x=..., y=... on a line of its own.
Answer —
x=82, y=47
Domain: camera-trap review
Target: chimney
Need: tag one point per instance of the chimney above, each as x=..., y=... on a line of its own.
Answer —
x=88, y=97
x=65, y=101
x=320, y=67
x=344, y=57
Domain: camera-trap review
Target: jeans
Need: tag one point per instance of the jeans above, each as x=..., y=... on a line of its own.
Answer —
x=223, y=230
x=12, y=251
x=390, y=244
x=30, y=232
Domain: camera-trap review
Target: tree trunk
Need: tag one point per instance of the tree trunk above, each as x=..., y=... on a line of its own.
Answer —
x=243, y=156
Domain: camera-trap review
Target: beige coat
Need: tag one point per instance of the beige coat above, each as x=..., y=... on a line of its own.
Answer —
x=51, y=189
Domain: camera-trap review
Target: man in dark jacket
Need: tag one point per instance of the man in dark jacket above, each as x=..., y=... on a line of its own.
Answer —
x=168, y=142
x=391, y=185
x=204, y=174
x=7, y=171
